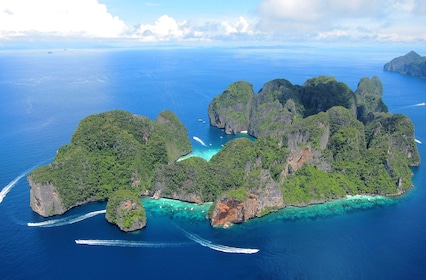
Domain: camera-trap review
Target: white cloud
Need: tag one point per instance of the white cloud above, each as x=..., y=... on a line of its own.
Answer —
x=167, y=28
x=241, y=26
x=274, y=20
x=58, y=17
x=327, y=19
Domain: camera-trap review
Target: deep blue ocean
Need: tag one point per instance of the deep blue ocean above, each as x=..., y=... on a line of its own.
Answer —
x=44, y=96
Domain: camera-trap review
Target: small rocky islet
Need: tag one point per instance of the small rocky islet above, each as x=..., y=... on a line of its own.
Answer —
x=315, y=142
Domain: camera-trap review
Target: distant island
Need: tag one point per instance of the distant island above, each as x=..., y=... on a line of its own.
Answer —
x=315, y=142
x=410, y=64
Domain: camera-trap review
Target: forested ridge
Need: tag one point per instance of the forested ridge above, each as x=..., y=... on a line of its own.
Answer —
x=315, y=142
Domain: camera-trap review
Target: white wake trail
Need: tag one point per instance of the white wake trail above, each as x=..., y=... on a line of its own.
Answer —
x=415, y=105
x=9, y=186
x=218, y=247
x=67, y=220
x=126, y=243
x=199, y=141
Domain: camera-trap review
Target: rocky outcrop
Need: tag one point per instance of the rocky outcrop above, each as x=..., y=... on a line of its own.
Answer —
x=231, y=109
x=230, y=210
x=45, y=199
x=410, y=64
x=126, y=211
x=369, y=98
x=276, y=106
x=176, y=195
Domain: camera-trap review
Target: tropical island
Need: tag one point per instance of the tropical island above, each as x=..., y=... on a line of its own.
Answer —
x=410, y=64
x=315, y=142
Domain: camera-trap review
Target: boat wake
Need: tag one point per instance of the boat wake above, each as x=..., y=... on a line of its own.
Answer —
x=415, y=105
x=199, y=141
x=66, y=221
x=9, y=186
x=218, y=247
x=126, y=243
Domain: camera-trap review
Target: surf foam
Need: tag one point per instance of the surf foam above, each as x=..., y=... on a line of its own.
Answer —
x=66, y=220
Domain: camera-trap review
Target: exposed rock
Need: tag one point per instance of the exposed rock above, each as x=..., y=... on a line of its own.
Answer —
x=261, y=201
x=178, y=195
x=369, y=98
x=231, y=109
x=45, y=199
x=276, y=105
x=126, y=211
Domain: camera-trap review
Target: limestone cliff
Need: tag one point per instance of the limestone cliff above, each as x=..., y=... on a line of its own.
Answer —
x=231, y=109
x=369, y=98
x=44, y=199
x=277, y=105
x=230, y=210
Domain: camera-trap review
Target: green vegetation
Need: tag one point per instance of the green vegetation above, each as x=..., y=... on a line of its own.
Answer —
x=125, y=209
x=321, y=93
x=234, y=103
x=112, y=151
x=327, y=141
x=315, y=142
x=267, y=210
x=410, y=64
x=369, y=98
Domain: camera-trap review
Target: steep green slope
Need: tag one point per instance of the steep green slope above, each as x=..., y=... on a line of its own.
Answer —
x=410, y=64
x=111, y=151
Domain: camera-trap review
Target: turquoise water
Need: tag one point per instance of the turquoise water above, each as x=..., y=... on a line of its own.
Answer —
x=43, y=97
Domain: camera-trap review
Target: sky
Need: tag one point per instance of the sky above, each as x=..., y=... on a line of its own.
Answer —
x=219, y=22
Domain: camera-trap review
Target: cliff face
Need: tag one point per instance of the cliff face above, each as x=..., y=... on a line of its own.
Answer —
x=231, y=109
x=410, y=64
x=229, y=210
x=45, y=199
x=278, y=105
x=369, y=98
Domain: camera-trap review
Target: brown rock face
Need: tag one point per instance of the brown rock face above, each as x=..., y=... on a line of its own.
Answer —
x=45, y=199
x=229, y=210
